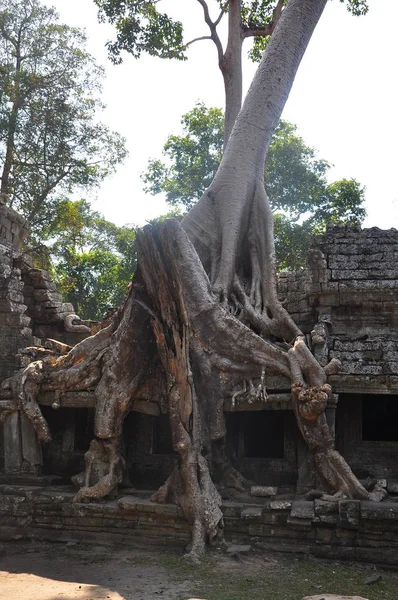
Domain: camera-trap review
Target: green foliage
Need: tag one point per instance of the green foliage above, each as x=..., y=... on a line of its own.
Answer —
x=141, y=28
x=357, y=7
x=94, y=260
x=295, y=179
x=257, y=15
x=193, y=158
x=294, y=176
x=49, y=106
x=292, y=241
x=339, y=202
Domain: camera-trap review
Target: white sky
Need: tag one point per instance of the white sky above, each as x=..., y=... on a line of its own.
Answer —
x=344, y=101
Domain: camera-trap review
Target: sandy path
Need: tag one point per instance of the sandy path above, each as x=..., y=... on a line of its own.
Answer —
x=39, y=571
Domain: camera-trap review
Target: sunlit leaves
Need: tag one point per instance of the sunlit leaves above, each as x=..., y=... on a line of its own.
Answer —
x=140, y=27
x=357, y=7
x=191, y=159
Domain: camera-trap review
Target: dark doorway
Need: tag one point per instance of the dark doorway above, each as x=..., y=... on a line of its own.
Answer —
x=379, y=418
x=256, y=434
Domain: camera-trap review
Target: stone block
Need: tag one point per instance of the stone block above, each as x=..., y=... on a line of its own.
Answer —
x=392, y=487
x=385, y=511
x=280, y=505
x=325, y=508
x=349, y=514
x=251, y=513
x=238, y=549
x=302, y=509
x=351, y=274
x=263, y=491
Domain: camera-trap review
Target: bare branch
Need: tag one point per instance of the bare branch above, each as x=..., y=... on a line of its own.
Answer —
x=257, y=31
x=213, y=31
x=222, y=13
x=198, y=39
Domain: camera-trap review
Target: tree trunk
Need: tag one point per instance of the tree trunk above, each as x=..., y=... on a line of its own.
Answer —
x=12, y=126
x=231, y=68
x=219, y=221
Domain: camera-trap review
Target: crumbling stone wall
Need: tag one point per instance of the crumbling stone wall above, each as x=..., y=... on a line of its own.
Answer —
x=351, y=285
x=15, y=325
x=349, y=294
x=31, y=310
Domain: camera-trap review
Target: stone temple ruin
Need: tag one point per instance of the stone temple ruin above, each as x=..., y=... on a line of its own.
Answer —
x=346, y=302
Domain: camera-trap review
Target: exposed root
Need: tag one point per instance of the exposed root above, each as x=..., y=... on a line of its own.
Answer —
x=73, y=324
x=310, y=398
x=228, y=479
x=102, y=455
x=250, y=392
x=28, y=387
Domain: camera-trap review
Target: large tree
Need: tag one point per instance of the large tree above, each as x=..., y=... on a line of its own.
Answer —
x=141, y=26
x=301, y=199
x=202, y=316
x=51, y=141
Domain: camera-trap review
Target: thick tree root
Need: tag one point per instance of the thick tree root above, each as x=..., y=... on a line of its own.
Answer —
x=102, y=455
x=190, y=485
x=173, y=332
x=310, y=394
x=229, y=481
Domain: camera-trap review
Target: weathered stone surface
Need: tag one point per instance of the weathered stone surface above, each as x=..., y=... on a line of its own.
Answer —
x=280, y=505
x=349, y=513
x=252, y=512
x=392, y=487
x=238, y=549
x=263, y=491
x=302, y=509
x=384, y=511
x=326, y=511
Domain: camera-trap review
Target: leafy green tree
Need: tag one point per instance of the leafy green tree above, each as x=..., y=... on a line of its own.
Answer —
x=51, y=142
x=93, y=259
x=192, y=158
x=141, y=26
x=295, y=179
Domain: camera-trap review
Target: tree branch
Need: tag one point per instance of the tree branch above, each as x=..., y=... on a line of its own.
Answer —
x=213, y=29
x=222, y=13
x=198, y=39
x=254, y=31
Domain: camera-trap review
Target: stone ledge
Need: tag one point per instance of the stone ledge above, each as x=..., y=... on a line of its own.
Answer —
x=351, y=529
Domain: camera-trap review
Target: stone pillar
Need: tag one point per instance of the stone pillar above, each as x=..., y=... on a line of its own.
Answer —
x=22, y=451
x=12, y=444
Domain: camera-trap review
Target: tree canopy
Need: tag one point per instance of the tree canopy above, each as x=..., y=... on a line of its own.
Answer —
x=141, y=26
x=301, y=198
x=51, y=141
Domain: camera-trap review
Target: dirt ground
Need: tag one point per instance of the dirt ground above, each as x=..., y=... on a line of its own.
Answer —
x=49, y=571
x=75, y=571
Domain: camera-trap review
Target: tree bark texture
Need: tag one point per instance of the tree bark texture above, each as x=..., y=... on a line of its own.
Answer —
x=231, y=68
